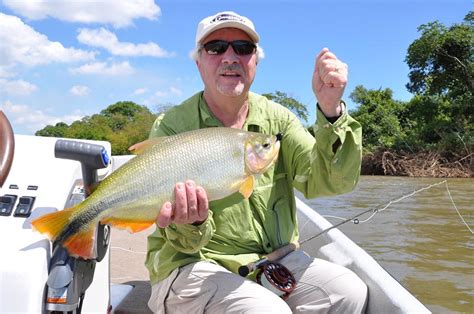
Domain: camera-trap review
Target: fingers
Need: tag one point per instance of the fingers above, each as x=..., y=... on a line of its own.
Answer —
x=203, y=203
x=180, y=204
x=192, y=201
x=334, y=74
x=329, y=70
x=191, y=205
x=165, y=215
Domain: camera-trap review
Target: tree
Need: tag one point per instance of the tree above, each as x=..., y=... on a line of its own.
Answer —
x=122, y=124
x=289, y=102
x=121, y=113
x=379, y=115
x=58, y=130
x=441, y=76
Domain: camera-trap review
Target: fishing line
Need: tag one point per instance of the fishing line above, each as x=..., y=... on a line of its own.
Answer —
x=355, y=219
x=460, y=216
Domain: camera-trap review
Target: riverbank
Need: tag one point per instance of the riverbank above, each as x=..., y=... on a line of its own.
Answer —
x=422, y=164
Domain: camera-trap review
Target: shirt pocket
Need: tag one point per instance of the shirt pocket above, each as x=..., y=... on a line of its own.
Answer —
x=272, y=202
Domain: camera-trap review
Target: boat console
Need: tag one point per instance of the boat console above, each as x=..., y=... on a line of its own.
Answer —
x=47, y=175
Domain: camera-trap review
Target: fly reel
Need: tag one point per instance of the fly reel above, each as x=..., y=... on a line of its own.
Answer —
x=276, y=278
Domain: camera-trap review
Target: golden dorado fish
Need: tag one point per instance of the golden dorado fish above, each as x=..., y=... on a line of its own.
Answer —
x=221, y=160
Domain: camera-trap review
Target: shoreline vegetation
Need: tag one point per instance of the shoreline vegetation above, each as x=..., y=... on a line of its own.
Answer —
x=421, y=164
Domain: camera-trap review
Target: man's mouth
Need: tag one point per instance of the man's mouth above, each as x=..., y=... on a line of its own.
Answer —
x=230, y=74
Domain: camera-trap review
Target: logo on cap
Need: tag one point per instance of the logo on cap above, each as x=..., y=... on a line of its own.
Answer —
x=227, y=17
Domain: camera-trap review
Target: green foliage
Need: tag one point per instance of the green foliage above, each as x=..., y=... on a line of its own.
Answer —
x=122, y=124
x=378, y=114
x=58, y=130
x=441, y=75
x=291, y=103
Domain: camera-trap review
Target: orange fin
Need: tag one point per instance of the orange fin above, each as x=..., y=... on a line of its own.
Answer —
x=82, y=243
x=130, y=225
x=52, y=224
x=246, y=188
x=140, y=147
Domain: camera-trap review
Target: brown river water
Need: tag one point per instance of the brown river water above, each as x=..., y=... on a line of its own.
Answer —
x=421, y=241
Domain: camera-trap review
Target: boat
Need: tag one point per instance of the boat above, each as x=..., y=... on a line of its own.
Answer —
x=48, y=174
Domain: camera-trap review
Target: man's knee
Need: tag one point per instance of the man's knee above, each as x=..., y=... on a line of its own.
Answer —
x=351, y=296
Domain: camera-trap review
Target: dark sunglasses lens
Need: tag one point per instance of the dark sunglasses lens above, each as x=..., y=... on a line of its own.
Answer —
x=243, y=47
x=216, y=47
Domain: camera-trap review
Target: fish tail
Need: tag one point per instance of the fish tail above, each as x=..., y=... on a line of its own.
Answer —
x=53, y=224
x=82, y=243
x=58, y=226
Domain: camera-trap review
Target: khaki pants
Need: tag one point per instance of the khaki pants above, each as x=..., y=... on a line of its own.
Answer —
x=203, y=287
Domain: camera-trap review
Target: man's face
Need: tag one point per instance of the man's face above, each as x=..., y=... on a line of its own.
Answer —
x=228, y=73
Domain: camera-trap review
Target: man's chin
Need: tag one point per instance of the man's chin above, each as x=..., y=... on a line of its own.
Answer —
x=231, y=91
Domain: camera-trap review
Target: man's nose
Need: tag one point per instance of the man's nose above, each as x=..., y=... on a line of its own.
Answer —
x=230, y=56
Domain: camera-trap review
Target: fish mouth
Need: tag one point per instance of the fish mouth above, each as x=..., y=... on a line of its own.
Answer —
x=259, y=165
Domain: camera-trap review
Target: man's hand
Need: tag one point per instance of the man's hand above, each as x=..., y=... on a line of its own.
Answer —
x=329, y=81
x=191, y=206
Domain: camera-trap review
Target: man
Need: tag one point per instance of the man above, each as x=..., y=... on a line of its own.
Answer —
x=197, y=248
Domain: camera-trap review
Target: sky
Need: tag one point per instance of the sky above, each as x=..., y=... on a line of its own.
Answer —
x=63, y=60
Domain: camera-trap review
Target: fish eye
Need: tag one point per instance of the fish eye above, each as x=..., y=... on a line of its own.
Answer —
x=266, y=145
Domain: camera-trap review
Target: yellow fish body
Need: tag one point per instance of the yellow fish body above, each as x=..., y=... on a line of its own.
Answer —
x=221, y=160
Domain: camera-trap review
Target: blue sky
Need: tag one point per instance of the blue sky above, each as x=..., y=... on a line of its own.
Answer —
x=62, y=60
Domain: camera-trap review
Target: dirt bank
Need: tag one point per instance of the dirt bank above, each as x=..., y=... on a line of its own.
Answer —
x=421, y=164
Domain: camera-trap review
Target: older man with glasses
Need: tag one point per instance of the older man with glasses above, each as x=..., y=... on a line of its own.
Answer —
x=197, y=248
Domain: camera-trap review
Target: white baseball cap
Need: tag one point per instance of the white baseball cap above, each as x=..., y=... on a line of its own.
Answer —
x=222, y=20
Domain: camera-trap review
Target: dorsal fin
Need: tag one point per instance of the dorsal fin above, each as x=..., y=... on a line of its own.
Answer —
x=140, y=147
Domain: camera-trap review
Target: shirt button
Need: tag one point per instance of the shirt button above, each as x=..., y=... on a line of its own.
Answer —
x=335, y=161
x=327, y=125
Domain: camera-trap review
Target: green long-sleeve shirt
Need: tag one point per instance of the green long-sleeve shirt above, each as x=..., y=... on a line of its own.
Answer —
x=238, y=230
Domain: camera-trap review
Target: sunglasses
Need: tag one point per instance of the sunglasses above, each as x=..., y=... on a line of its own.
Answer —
x=241, y=47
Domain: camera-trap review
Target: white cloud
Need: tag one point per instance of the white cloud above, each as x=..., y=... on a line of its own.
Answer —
x=118, y=13
x=80, y=90
x=6, y=72
x=22, y=44
x=140, y=91
x=176, y=91
x=102, y=68
x=105, y=39
x=163, y=96
x=30, y=120
x=161, y=93
x=17, y=87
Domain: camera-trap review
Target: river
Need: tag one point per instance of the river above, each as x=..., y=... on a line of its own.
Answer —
x=421, y=240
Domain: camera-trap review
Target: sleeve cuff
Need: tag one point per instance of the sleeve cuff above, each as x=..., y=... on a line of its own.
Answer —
x=332, y=119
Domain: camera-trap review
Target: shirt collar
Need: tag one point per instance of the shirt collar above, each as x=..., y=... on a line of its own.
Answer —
x=253, y=121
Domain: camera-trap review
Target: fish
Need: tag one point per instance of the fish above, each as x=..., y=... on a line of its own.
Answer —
x=221, y=160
